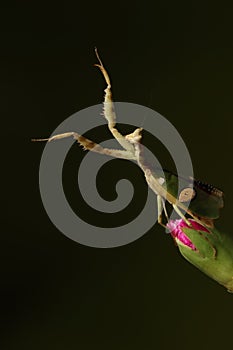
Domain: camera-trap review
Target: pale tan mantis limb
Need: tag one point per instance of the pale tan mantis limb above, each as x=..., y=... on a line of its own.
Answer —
x=109, y=112
x=154, y=183
x=161, y=207
x=91, y=146
x=132, y=150
x=110, y=116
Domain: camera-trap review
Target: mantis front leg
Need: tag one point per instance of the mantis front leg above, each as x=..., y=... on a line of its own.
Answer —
x=90, y=145
x=132, y=149
x=155, y=183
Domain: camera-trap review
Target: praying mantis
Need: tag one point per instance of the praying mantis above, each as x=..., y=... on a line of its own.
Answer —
x=199, y=200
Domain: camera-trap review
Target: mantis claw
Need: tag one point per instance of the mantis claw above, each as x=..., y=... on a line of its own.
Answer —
x=133, y=150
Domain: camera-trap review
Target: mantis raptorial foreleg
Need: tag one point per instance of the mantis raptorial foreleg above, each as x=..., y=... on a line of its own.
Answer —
x=132, y=150
x=154, y=183
x=91, y=146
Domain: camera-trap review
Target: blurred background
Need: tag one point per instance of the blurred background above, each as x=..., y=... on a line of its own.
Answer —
x=174, y=57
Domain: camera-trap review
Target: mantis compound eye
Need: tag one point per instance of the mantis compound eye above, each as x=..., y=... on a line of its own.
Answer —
x=187, y=194
x=99, y=233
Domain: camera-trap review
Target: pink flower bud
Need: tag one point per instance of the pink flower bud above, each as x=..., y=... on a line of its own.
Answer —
x=175, y=227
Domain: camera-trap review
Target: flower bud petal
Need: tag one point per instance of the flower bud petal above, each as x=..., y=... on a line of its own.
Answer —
x=175, y=227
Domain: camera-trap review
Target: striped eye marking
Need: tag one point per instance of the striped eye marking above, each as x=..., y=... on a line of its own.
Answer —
x=187, y=194
x=209, y=188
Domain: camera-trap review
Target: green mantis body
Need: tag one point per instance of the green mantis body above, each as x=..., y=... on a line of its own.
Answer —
x=204, y=200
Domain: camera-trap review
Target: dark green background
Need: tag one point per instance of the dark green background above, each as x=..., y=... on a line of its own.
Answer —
x=174, y=57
